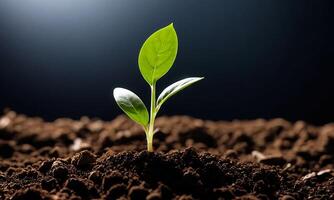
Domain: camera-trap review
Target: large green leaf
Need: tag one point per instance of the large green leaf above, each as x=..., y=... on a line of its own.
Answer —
x=158, y=54
x=132, y=105
x=175, y=88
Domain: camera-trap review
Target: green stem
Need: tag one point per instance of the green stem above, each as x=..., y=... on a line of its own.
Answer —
x=152, y=119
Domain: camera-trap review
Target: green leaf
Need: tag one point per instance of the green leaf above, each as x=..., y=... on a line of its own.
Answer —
x=132, y=105
x=158, y=54
x=175, y=88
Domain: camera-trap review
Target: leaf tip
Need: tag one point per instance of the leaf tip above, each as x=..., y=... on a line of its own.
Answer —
x=117, y=91
x=171, y=26
x=199, y=78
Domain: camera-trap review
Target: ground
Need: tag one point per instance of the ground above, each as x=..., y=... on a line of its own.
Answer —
x=193, y=159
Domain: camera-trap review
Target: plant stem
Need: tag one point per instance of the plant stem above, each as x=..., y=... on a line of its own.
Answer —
x=150, y=132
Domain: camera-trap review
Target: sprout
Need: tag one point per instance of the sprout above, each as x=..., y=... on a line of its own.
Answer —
x=156, y=57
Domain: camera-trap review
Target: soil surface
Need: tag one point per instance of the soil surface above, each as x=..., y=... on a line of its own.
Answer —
x=194, y=159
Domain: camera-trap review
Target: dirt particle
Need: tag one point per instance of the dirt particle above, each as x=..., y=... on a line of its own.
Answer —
x=258, y=155
x=78, y=186
x=324, y=172
x=55, y=152
x=165, y=191
x=154, y=196
x=27, y=148
x=116, y=191
x=249, y=197
x=308, y=176
x=4, y=122
x=191, y=179
x=288, y=197
x=269, y=160
x=138, y=193
x=260, y=187
x=185, y=197
x=326, y=140
x=95, y=176
x=49, y=184
x=83, y=159
x=224, y=193
x=32, y=194
x=113, y=178
x=78, y=144
x=46, y=166
x=231, y=154
x=59, y=170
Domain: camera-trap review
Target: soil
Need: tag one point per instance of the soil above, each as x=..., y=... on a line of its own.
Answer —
x=194, y=159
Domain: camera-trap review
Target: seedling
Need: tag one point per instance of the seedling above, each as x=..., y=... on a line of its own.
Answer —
x=156, y=57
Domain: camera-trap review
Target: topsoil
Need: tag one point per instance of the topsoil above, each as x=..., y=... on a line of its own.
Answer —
x=193, y=159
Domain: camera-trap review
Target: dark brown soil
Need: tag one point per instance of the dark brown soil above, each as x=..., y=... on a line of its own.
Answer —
x=194, y=159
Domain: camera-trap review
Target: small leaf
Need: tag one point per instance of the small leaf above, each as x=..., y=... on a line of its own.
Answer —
x=175, y=88
x=158, y=54
x=132, y=105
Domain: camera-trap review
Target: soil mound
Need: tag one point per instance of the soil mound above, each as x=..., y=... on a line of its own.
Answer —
x=194, y=159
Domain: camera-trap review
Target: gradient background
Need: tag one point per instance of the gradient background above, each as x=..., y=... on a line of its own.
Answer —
x=260, y=58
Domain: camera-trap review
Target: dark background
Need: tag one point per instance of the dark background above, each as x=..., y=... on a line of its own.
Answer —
x=260, y=58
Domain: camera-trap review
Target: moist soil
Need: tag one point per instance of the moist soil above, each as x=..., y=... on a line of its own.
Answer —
x=193, y=159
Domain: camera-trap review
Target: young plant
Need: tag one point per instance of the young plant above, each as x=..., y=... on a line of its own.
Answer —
x=156, y=57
